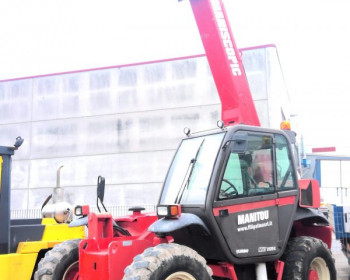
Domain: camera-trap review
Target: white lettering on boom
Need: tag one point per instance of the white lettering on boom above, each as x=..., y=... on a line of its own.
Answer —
x=226, y=38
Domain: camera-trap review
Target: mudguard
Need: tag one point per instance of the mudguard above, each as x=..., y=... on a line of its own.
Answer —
x=166, y=225
x=312, y=215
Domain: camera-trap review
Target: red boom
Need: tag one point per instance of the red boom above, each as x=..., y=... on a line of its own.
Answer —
x=225, y=63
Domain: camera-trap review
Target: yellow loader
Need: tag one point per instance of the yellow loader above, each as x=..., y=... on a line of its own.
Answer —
x=24, y=242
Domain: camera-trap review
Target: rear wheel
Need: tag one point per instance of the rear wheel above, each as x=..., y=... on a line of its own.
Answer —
x=168, y=262
x=308, y=258
x=60, y=263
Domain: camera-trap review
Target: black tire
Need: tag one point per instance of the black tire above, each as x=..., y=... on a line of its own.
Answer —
x=168, y=262
x=60, y=263
x=304, y=254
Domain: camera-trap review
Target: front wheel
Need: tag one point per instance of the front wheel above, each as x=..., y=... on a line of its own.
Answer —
x=60, y=263
x=168, y=262
x=308, y=258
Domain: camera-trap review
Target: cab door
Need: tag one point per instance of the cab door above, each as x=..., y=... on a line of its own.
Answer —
x=247, y=207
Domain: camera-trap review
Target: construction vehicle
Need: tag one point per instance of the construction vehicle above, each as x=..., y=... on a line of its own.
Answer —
x=231, y=207
x=23, y=242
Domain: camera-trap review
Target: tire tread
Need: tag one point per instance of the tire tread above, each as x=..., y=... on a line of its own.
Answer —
x=154, y=258
x=50, y=262
x=297, y=253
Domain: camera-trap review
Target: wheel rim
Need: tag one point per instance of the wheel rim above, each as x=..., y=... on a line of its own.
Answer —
x=180, y=276
x=319, y=270
x=72, y=272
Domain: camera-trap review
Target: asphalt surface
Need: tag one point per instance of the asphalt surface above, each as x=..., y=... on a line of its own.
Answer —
x=341, y=263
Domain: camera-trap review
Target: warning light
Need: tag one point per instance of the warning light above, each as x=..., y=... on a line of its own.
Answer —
x=187, y=131
x=285, y=125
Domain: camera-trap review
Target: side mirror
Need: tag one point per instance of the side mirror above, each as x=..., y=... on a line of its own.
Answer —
x=100, y=188
x=239, y=142
x=309, y=193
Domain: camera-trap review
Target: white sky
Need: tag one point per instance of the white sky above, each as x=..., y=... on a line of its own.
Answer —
x=312, y=37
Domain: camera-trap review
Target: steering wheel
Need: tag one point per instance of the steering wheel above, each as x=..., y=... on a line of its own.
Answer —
x=231, y=186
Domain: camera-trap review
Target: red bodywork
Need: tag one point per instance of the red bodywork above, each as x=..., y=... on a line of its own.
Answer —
x=323, y=233
x=225, y=270
x=106, y=253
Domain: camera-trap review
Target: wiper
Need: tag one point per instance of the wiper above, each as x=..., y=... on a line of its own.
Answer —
x=189, y=171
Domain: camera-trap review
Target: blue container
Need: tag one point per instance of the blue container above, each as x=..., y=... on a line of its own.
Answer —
x=339, y=222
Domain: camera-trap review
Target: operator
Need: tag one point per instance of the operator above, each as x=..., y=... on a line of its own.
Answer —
x=263, y=174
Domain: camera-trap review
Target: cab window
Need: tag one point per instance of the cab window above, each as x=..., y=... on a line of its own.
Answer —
x=284, y=165
x=249, y=173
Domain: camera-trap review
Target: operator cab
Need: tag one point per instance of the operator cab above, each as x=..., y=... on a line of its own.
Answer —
x=241, y=184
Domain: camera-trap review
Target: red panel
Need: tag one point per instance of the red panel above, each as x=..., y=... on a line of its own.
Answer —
x=324, y=149
x=225, y=63
x=307, y=185
x=321, y=232
x=85, y=209
x=107, y=258
x=225, y=270
x=256, y=205
x=104, y=255
x=137, y=224
x=100, y=226
x=279, y=267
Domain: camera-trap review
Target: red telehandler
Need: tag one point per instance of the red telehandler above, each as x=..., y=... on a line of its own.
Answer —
x=231, y=207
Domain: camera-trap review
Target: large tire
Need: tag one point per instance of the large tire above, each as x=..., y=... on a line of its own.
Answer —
x=168, y=262
x=308, y=257
x=60, y=263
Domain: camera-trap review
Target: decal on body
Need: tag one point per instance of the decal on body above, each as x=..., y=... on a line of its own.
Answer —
x=253, y=217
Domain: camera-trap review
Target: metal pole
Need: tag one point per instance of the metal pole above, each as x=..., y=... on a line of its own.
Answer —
x=5, y=198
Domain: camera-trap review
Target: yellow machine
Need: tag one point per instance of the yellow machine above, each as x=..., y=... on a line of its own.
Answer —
x=22, y=263
x=24, y=242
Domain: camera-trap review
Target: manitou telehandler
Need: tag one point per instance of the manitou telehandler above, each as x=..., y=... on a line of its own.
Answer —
x=23, y=242
x=231, y=207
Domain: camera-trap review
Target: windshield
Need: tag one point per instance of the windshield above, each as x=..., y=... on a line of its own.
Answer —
x=189, y=174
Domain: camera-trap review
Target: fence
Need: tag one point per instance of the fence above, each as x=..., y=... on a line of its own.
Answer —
x=116, y=211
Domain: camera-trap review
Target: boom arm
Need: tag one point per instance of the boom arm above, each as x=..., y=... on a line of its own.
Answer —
x=225, y=63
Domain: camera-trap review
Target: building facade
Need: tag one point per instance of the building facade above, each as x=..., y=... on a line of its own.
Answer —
x=121, y=122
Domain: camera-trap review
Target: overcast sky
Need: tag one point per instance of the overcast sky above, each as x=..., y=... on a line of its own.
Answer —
x=312, y=37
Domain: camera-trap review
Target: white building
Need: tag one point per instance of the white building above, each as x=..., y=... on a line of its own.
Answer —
x=121, y=122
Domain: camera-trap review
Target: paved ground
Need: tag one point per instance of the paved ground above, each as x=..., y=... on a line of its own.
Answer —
x=341, y=262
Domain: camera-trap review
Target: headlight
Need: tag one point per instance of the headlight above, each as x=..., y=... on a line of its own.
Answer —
x=169, y=211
